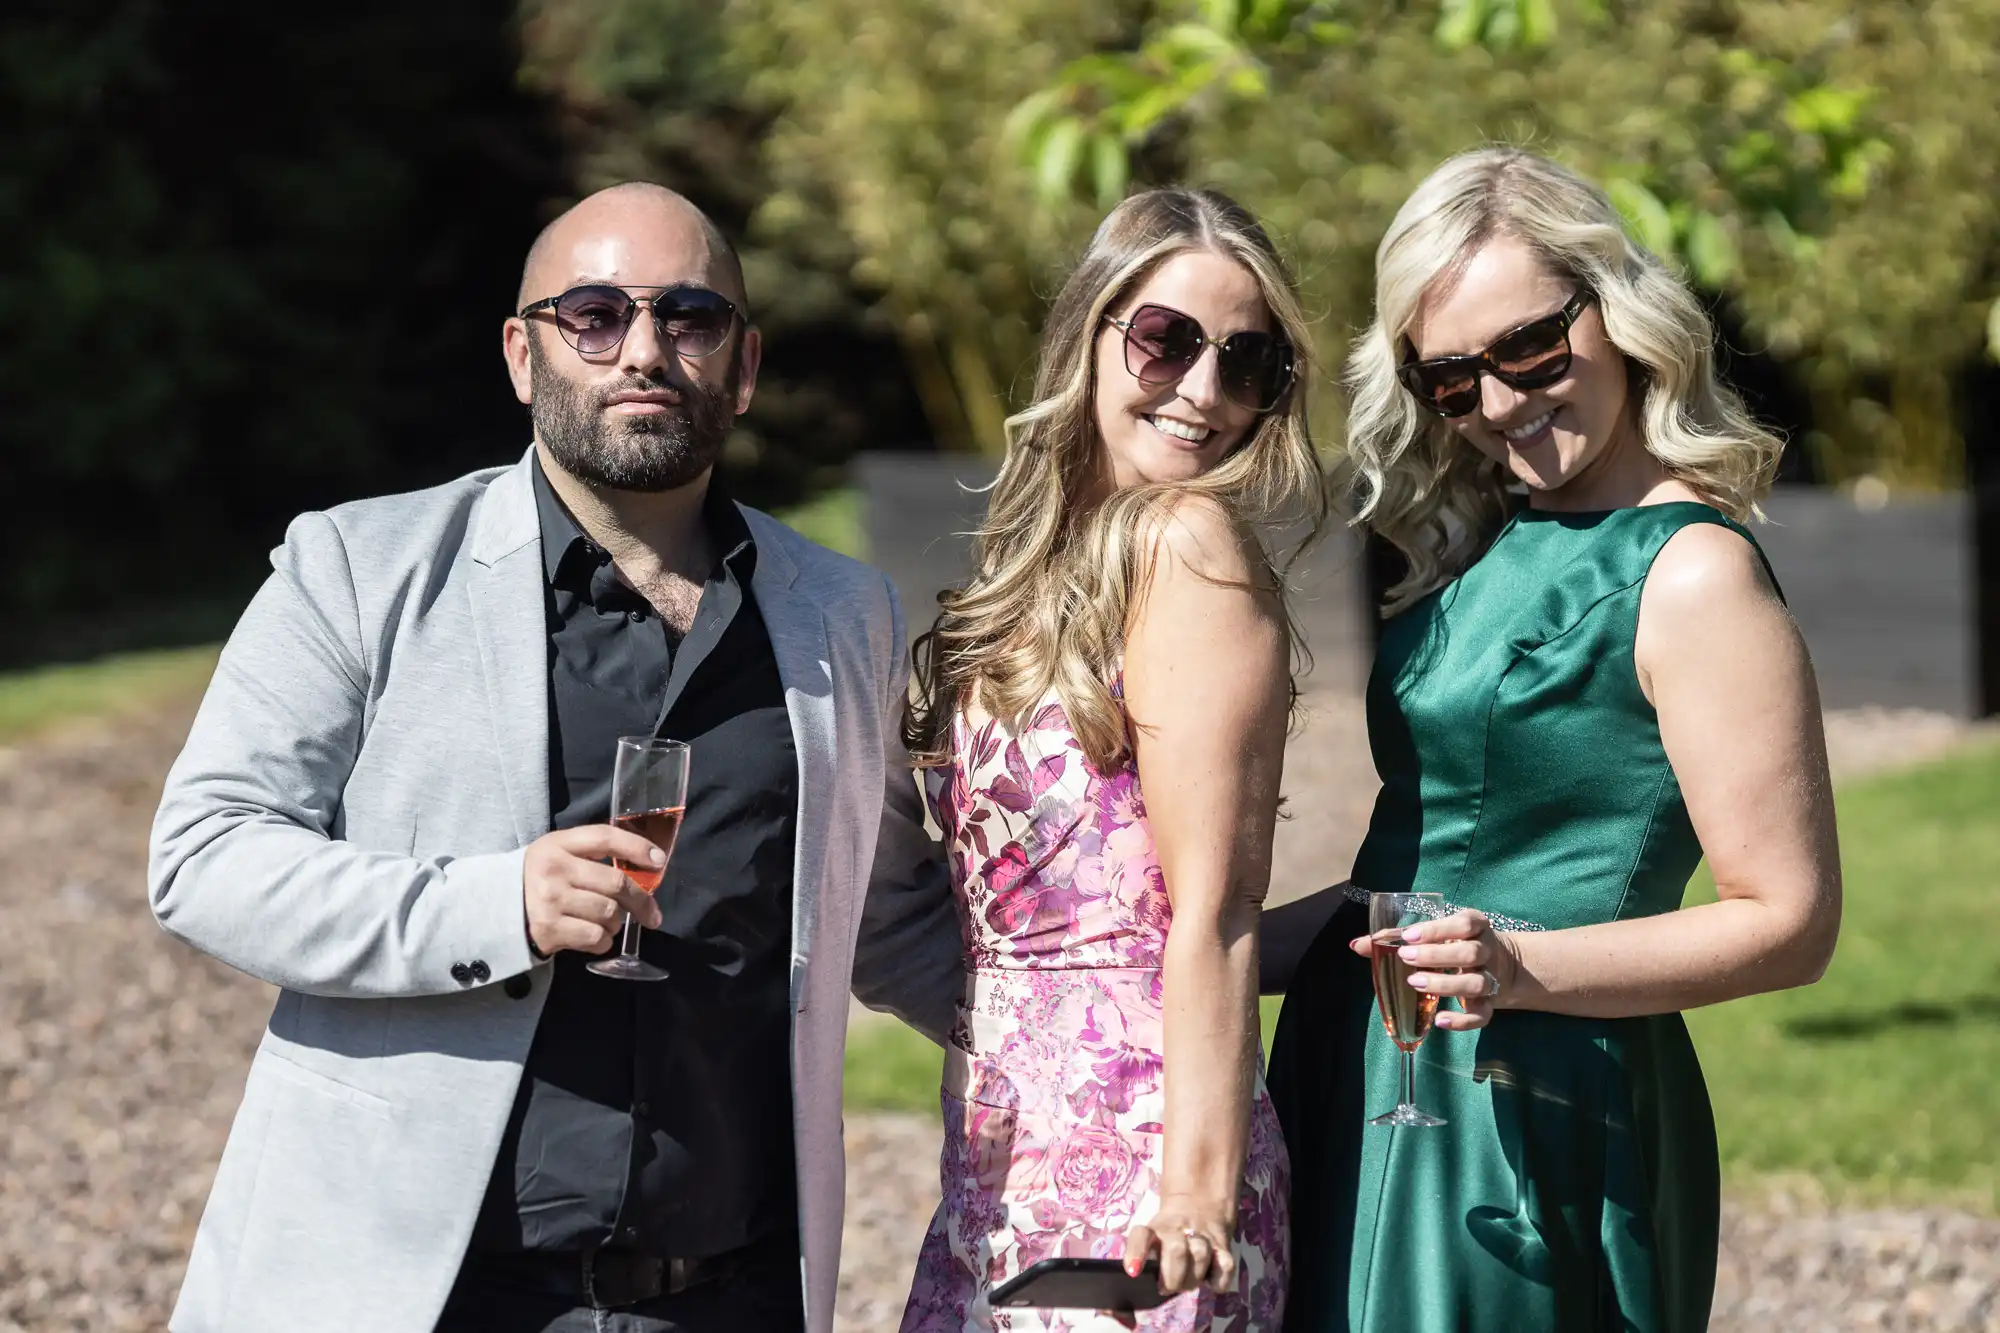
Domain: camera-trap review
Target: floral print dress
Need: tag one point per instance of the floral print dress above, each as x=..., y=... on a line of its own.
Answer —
x=1052, y=1089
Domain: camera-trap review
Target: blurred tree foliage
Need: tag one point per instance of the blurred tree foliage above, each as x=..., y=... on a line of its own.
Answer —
x=651, y=89
x=255, y=256
x=1831, y=168
x=891, y=124
x=1828, y=171
x=256, y=260
x=862, y=146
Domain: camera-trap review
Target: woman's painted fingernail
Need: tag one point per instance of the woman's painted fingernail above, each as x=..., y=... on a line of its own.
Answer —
x=1407, y=953
x=1421, y=980
x=657, y=857
x=1413, y=933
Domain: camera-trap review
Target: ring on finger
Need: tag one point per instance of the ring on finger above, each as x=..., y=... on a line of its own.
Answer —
x=1492, y=990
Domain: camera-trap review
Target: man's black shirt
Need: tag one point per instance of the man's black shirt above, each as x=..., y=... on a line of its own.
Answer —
x=657, y=1116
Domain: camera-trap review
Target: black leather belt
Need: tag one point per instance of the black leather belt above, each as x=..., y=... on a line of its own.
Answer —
x=608, y=1279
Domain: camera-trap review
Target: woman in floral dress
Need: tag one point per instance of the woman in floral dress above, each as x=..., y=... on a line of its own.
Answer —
x=1102, y=711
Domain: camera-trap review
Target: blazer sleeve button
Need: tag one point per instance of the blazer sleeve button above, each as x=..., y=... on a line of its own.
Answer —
x=480, y=972
x=461, y=974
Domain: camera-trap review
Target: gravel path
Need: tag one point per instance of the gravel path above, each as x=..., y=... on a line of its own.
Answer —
x=122, y=1053
x=122, y=1056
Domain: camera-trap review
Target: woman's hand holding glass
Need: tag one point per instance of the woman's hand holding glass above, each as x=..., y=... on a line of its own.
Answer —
x=1464, y=959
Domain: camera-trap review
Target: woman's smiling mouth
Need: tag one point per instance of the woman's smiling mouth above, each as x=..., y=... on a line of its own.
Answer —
x=1185, y=431
x=1530, y=432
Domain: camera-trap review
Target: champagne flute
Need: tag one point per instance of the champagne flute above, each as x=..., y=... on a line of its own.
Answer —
x=1407, y=1013
x=649, y=782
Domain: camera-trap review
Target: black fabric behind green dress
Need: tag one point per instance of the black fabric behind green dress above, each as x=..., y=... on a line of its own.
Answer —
x=1575, y=1187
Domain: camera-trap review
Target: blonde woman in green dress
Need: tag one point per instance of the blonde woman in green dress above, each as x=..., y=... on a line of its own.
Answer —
x=1574, y=701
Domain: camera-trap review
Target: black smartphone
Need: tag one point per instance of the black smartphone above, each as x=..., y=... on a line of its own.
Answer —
x=1080, y=1284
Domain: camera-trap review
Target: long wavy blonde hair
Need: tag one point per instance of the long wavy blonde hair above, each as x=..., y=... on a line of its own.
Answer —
x=1435, y=497
x=1054, y=577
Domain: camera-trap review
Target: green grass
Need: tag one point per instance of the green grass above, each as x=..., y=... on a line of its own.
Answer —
x=833, y=519
x=890, y=1067
x=1881, y=1083
x=35, y=700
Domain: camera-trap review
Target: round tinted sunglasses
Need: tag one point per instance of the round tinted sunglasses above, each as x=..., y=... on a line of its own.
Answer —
x=1533, y=356
x=1162, y=345
x=594, y=318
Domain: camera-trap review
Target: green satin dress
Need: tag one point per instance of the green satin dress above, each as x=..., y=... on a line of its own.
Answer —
x=1576, y=1185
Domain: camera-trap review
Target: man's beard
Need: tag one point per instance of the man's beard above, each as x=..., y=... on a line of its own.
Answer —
x=660, y=451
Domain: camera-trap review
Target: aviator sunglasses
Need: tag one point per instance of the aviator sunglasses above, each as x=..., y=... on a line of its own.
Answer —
x=1162, y=345
x=595, y=317
x=1533, y=356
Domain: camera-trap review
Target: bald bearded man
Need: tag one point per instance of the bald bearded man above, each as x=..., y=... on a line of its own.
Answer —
x=394, y=805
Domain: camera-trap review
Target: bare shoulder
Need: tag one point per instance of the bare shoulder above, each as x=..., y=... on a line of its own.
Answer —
x=1705, y=569
x=1203, y=590
x=1200, y=535
x=1708, y=608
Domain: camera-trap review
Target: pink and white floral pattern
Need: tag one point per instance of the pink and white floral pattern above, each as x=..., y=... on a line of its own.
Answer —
x=1052, y=1095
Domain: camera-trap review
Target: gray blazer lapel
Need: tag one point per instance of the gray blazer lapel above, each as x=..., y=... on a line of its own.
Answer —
x=798, y=639
x=509, y=625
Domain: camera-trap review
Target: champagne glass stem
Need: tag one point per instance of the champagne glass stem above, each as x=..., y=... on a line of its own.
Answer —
x=630, y=949
x=1409, y=1078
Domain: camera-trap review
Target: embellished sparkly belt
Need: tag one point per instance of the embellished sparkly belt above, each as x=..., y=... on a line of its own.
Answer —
x=1354, y=893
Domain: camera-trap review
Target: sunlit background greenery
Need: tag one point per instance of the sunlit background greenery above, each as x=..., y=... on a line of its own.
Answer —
x=243, y=288
x=1826, y=171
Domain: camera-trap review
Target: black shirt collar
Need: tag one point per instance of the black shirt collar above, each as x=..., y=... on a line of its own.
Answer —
x=566, y=547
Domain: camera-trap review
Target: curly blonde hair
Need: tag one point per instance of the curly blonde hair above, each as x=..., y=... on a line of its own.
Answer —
x=1054, y=578
x=1438, y=500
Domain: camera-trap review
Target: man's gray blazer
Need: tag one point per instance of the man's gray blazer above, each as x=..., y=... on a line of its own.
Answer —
x=347, y=823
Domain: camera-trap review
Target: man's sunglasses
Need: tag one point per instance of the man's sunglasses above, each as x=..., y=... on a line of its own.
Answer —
x=1533, y=356
x=1162, y=345
x=594, y=318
